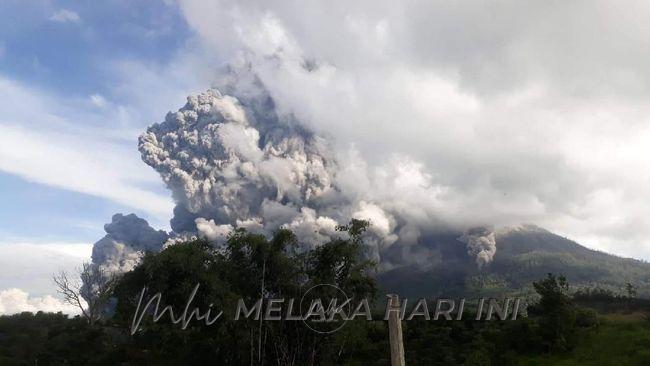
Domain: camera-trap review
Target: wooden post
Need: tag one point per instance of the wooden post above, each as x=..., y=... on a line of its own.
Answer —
x=395, y=332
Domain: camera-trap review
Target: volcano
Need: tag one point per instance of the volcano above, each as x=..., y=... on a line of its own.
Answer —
x=524, y=254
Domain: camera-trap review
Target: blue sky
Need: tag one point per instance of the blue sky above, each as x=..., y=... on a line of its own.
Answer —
x=79, y=81
x=72, y=55
x=73, y=70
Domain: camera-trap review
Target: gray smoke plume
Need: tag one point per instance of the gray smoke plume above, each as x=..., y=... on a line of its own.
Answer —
x=481, y=244
x=235, y=162
x=222, y=163
x=126, y=240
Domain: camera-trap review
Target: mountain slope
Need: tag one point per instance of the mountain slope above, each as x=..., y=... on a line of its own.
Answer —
x=524, y=254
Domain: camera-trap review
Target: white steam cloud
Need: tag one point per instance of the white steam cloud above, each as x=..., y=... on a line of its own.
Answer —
x=497, y=112
x=456, y=121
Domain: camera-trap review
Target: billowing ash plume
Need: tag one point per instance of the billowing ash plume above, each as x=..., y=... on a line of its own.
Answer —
x=481, y=244
x=127, y=238
x=234, y=162
x=225, y=163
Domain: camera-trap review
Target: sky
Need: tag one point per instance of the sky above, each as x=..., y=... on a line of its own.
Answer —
x=498, y=112
x=79, y=82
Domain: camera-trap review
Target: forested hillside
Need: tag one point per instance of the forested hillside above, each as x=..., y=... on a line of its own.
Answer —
x=523, y=255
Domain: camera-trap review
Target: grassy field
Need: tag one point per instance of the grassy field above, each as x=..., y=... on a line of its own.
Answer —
x=621, y=340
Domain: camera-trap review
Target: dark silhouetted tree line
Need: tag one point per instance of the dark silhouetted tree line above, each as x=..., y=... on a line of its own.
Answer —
x=251, y=267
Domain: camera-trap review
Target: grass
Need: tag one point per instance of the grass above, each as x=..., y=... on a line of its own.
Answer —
x=621, y=340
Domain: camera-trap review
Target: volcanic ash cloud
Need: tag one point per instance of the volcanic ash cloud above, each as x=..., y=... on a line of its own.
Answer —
x=236, y=163
x=232, y=164
x=127, y=238
x=481, y=244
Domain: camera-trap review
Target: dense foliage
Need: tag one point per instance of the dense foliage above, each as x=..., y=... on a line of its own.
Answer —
x=250, y=267
x=522, y=257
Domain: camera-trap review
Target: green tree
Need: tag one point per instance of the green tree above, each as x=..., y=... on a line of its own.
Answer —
x=558, y=313
x=248, y=267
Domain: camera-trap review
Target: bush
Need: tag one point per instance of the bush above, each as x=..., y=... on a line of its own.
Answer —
x=587, y=318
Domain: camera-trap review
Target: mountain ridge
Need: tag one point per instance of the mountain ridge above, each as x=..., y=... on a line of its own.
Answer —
x=525, y=253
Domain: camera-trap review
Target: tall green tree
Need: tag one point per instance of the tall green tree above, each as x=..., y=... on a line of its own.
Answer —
x=248, y=267
x=557, y=313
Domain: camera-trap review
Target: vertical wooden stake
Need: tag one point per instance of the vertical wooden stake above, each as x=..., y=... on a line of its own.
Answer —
x=395, y=332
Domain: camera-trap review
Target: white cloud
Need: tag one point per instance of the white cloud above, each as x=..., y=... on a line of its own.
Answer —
x=65, y=16
x=89, y=145
x=30, y=266
x=512, y=112
x=46, y=140
x=15, y=300
x=71, y=162
x=98, y=100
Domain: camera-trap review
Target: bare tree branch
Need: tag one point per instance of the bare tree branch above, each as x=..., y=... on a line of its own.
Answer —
x=90, y=292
